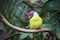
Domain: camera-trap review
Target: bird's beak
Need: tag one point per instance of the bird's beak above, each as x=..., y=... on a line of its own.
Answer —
x=29, y=17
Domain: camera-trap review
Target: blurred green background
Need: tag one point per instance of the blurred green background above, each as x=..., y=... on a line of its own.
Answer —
x=15, y=12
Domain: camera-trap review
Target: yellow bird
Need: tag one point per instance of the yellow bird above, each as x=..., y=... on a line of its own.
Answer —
x=35, y=21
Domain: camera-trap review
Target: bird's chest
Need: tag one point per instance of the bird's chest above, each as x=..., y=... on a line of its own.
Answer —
x=34, y=24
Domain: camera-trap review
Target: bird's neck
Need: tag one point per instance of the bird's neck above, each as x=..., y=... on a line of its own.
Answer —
x=35, y=14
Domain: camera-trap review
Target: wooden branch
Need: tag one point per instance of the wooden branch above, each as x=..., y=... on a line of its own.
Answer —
x=3, y=20
x=29, y=5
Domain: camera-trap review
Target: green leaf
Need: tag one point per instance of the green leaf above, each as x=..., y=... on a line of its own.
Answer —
x=31, y=36
x=46, y=26
x=57, y=32
x=44, y=1
x=24, y=35
x=53, y=5
x=51, y=26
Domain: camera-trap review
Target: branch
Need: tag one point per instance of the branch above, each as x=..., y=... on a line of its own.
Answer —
x=3, y=20
x=29, y=5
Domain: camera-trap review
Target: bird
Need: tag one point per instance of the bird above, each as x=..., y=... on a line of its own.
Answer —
x=35, y=21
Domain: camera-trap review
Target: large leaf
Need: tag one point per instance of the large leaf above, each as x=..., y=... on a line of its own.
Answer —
x=25, y=35
x=44, y=1
x=53, y=5
x=58, y=32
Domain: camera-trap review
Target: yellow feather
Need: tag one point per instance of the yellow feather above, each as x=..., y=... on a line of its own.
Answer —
x=35, y=22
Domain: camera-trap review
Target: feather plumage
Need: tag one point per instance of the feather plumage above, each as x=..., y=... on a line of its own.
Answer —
x=35, y=21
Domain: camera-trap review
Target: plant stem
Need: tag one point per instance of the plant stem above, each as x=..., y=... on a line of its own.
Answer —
x=34, y=36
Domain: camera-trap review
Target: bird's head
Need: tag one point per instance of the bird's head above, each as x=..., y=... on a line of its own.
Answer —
x=31, y=14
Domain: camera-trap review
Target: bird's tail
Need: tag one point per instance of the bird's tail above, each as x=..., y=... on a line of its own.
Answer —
x=34, y=36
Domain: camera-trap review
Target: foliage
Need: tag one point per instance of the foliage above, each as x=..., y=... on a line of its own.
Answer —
x=15, y=12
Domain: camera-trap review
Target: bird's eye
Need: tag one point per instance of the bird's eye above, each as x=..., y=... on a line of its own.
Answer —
x=30, y=14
